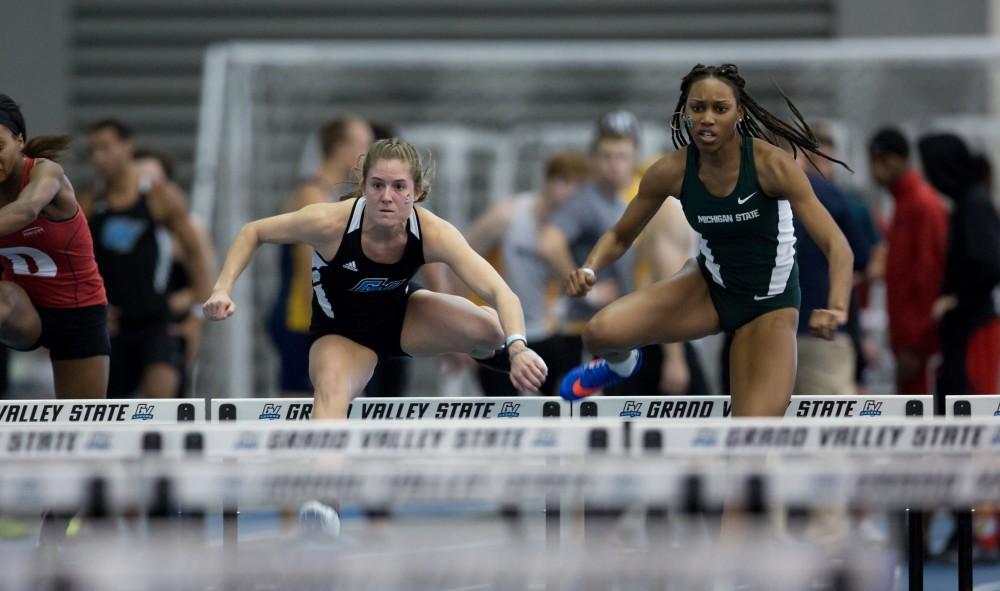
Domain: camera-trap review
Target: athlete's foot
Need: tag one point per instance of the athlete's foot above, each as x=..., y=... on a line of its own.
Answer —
x=319, y=518
x=590, y=378
x=498, y=362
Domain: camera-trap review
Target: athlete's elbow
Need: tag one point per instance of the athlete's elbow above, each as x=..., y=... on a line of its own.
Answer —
x=249, y=233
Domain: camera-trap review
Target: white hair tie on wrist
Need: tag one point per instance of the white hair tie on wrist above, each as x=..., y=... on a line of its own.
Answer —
x=589, y=271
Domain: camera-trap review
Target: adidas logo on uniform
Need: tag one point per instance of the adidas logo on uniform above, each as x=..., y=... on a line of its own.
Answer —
x=351, y=266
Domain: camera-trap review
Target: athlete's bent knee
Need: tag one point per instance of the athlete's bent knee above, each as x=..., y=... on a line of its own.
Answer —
x=10, y=295
x=487, y=332
x=597, y=336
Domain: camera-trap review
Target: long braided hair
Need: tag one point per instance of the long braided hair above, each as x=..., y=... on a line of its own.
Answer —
x=757, y=121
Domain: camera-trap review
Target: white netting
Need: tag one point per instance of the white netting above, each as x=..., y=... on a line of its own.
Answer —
x=491, y=112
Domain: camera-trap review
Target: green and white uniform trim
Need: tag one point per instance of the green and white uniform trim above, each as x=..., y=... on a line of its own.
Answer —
x=746, y=242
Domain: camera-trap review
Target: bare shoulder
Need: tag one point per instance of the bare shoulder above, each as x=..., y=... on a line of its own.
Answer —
x=64, y=200
x=665, y=176
x=502, y=212
x=330, y=218
x=431, y=224
x=168, y=195
x=45, y=168
x=774, y=167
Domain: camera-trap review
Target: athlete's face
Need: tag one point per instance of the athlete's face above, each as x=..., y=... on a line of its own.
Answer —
x=614, y=162
x=390, y=190
x=109, y=152
x=714, y=113
x=10, y=152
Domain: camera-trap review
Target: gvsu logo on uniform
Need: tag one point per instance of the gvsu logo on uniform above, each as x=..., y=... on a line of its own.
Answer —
x=272, y=412
x=872, y=408
x=144, y=412
x=631, y=409
x=509, y=410
x=377, y=284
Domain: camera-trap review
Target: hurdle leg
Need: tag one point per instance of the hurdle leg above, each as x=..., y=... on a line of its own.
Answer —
x=964, y=525
x=915, y=550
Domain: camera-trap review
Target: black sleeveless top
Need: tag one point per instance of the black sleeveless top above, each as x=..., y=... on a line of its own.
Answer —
x=352, y=291
x=134, y=255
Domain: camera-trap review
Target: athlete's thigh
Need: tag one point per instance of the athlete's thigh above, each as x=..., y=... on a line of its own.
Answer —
x=676, y=309
x=338, y=363
x=762, y=364
x=81, y=378
x=438, y=323
x=21, y=326
x=339, y=369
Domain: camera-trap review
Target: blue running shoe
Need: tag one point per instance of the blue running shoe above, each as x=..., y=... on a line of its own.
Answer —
x=590, y=378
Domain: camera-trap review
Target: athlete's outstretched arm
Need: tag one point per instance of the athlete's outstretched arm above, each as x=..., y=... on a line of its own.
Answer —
x=45, y=181
x=445, y=244
x=659, y=182
x=782, y=176
x=310, y=225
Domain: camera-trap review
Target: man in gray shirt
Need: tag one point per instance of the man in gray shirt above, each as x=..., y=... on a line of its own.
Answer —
x=511, y=230
x=576, y=227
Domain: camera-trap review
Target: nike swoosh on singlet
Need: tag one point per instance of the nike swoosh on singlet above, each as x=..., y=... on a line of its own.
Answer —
x=745, y=199
x=767, y=297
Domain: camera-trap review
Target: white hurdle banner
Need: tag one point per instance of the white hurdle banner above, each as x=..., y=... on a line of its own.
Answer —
x=978, y=406
x=659, y=408
x=815, y=437
x=371, y=409
x=297, y=439
x=736, y=436
x=717, y=407
x=150, y=411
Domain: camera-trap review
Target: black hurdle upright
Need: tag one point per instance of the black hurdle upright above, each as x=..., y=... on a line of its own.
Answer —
x=597, y=442
x=230, y=508
x=963, y=518
x=552, y=502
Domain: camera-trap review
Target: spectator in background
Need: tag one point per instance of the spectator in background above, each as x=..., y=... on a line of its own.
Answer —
x=186, y=319
x=576, y=227
x=916, y=244
x=134, y=222
x=511, y=228
x=343, y=141
x=965, y=311
x=824, y=366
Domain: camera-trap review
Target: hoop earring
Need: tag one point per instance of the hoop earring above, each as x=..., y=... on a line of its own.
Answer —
x=675, y=121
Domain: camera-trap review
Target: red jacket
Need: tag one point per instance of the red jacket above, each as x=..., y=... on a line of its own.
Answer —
x=917, y=245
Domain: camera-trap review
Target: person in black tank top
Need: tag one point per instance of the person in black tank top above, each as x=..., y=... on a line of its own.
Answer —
x=134, y=222
x=367, y=249
x=739, y=192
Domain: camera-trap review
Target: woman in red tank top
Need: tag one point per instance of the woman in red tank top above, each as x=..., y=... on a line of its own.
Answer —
x=51, y=293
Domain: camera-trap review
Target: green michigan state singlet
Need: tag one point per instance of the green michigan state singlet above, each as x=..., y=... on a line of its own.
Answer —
x=746, y=243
